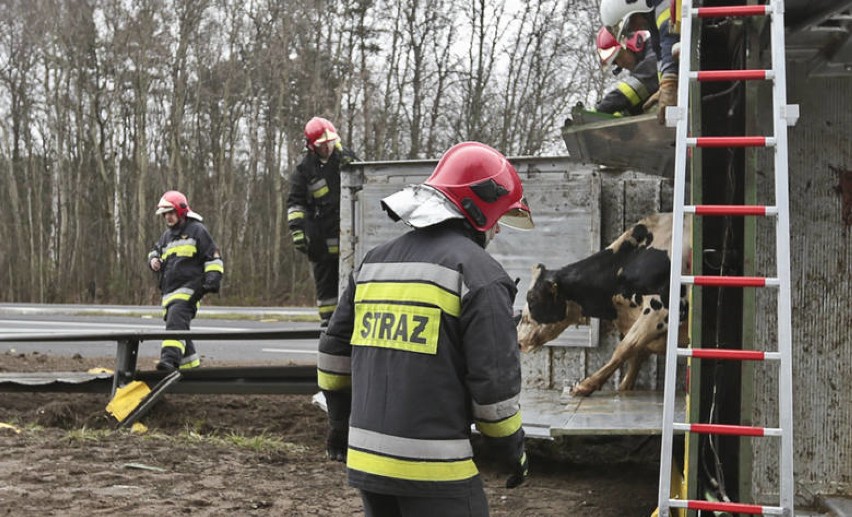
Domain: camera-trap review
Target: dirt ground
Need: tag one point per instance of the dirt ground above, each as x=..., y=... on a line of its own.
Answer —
x=241, y=455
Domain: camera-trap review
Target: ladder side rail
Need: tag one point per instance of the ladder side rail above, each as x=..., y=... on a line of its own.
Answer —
x=782, y=243
x=682, y=111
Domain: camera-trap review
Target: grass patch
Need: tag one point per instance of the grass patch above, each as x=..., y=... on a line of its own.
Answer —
x=87, y=435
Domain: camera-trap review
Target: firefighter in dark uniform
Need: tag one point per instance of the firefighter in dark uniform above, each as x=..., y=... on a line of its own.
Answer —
x=190, y=265
x=313, y=209
x=423, y=344
x=632, y=93
x=626, y=17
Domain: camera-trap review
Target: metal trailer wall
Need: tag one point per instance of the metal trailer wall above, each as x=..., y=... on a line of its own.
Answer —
x=578, y=209
x=821, y=257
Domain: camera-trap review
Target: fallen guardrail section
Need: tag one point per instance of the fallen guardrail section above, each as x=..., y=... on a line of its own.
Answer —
x=205, y=380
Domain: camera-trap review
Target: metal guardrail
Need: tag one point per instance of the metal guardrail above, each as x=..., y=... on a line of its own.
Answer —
x=261, y=379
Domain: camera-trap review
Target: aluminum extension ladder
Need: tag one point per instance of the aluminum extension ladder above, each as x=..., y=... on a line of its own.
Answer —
x=783, y=115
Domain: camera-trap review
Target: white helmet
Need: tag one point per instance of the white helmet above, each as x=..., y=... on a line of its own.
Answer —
x=615, y=13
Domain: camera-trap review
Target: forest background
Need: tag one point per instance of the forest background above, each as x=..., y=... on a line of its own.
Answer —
x=106, y=104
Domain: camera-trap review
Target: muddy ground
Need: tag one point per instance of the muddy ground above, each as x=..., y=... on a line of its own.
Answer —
x=249, y=455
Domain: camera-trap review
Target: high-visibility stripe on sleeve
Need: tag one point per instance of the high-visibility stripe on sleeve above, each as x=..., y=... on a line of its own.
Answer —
x=628, y=92
x=498, y=410
x=341, y=364
x=295, y=212
x=214, y=265
x=638, y=87
x=663, y=16
x=410, y=469
x=333, y=382
x=409, y=292
x=501, y=428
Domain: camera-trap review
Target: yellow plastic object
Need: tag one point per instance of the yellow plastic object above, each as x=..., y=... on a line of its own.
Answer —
x=126, y=399
x=99, y=369
x=678, y=489
x=10, y=426
x=138, y=428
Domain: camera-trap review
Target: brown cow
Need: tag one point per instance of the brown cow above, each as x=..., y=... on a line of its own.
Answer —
x=627, y=283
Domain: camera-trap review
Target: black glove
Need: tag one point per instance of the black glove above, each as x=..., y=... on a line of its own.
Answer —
x=300, y=241
x=211, y=283
x=336, y=443
x=520, y=471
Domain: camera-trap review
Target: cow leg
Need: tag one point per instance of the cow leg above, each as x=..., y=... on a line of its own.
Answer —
x=594, y=381
x=633, y=366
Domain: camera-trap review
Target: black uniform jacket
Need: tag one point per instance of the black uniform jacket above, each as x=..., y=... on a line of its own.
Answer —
x=424, y=338
x=189, y=254
x=313, y=205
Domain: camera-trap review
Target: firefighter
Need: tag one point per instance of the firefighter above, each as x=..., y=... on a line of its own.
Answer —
x=632, y=93
x=190, y=265
x=313, y=209
x=423, y=344
x=624, y=17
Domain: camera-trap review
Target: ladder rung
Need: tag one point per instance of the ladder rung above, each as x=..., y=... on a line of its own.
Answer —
x=722, y=353
x=732, y=75
x=727, y=429
x=730, y=281
x=731, y=141
x=731, y=10
x=730, y=209
x=753, y=509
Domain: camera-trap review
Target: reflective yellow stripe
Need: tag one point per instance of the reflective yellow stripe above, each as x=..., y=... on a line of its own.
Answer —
x=401, y=327
x=192, y=364
x=174, y=343
x=663, y=17
x=629, y=92
x=410, y=292
x=334, y=250
x=501, y=428
x=184, y=250
x=292, y=216
x=176, y=296
x=214, y=267
x=411, y=470
x=333, y=382
x=320, y=192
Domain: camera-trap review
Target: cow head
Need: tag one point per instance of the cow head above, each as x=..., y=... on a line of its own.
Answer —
x=545, y=302
x=553, y=312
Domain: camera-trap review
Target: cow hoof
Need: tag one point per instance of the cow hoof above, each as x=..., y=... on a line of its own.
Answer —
x=580, y=390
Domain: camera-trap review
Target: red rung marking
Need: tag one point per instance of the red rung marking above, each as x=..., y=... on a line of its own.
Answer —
x=731, y=75
x=730, y=210
x=732, y=10
x=730, y=281
x=731, y=141
x=753, y=509
x=736, y=430
x=739, y=355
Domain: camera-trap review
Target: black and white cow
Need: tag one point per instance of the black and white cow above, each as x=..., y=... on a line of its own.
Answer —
x=626, y=283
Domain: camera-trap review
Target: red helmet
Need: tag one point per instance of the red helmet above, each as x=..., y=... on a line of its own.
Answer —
x=173, y=200
x=318, y=131
x=483, y=185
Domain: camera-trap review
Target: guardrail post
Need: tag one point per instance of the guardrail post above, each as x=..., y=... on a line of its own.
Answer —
x=125, y=362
